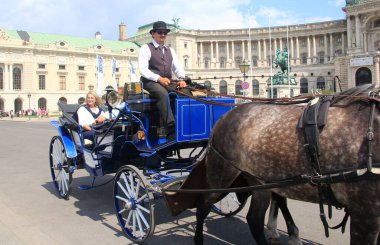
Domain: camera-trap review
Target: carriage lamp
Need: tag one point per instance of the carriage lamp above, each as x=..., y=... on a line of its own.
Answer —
x=29, y=95
x=244, y=67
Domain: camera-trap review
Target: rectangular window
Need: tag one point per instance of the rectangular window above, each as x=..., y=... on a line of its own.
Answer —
x=185, y=45
x=62, y=67
x=62, y=83
x=339, y=40
x=117, y=69
x=303, y=43
x=80, y=68
x=1, y=78
x=41, y=82
x=41, y=66
x=81, y=83
x=321, y=42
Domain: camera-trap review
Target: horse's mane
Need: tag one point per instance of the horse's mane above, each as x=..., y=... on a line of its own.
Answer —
x=353, y=95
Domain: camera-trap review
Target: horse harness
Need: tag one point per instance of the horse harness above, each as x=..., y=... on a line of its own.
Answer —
x=312, y=122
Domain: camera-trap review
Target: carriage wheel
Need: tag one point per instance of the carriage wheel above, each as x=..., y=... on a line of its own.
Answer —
x=60, y=167
x=228, y=206
x=134, y=204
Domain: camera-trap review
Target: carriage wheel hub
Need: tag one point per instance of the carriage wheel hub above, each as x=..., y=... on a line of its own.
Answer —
x=131, y=204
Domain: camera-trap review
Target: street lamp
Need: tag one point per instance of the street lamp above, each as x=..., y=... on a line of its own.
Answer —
x=29, y=95
x=244, y=67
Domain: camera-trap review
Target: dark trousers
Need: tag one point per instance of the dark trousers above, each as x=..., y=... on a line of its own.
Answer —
x=160, y=94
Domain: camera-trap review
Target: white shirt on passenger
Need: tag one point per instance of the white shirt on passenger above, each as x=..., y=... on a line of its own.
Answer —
x=85, y=117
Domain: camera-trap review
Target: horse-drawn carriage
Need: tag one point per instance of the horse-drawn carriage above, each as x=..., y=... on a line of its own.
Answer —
x=128, y=145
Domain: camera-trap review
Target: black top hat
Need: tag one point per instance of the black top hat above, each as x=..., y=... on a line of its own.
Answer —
x=159, y=25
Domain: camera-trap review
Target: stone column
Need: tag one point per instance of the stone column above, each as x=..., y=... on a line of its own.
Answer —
x=195, y=60
x=227, y=51
x=343, y=44
x=308, y=50
x=331, y=47
x=281, y=44
x=292, y=51
x=314, y=51
x=249, y=46
x=259, y=49
x=6, y=77
x=233, y=53
x=325, y=46
x=10, y=77
x=265, y=51
x=349, y=30
x=357, y=31
x=212, y=51
x=217, y=51
x=376, y=70
x=297, y=50
x=243, y=49
x=275, y=44
x=365, y=44
x=201, y=55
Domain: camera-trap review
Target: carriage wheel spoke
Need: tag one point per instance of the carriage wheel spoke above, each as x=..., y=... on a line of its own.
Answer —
x=143, y=218
x=143, y=209
x=137, y=188
x=121, y=198
x=141, y=198
x=134, y=223
x=139, y=224
x=131, y=183
x=128, y=219
x=123, y=189
x=127, y=184
x=122, y=211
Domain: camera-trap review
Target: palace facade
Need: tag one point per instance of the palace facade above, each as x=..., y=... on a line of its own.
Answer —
x=42, y=69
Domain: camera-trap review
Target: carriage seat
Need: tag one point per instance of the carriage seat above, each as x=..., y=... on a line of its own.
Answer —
x=69, y=117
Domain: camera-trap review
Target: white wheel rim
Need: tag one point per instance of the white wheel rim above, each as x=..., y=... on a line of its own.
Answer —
x=59, y=165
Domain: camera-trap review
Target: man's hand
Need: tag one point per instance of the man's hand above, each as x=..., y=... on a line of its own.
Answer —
x=163, y=81
x=181, y=84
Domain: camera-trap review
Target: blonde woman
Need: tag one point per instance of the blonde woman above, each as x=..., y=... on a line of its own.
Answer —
x=90, y=114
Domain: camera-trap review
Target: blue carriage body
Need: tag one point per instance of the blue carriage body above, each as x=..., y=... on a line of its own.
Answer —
x=194, y=122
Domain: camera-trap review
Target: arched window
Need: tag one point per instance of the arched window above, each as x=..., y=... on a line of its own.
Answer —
x=321, y=84
x=223, y=87
x=208, y=84
x=16, y=78
x=255, y=87
x=238, y=88
x=81, y=100
x=376, y=23
x=1, y=78
x=363, y=76
x=42, y=103
x=304, y=86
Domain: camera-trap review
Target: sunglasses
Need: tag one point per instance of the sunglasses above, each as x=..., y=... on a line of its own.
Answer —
x=162, y=33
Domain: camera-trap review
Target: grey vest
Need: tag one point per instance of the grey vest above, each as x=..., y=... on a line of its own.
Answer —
x=160, y=63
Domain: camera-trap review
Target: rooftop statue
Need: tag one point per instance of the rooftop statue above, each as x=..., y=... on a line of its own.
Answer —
x=176, y=22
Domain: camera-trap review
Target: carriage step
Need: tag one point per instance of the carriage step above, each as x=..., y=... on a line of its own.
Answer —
x=375, y=170
x=84, y=187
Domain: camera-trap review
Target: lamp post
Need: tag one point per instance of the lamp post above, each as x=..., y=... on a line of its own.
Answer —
x=244, y=67
x=29, y=95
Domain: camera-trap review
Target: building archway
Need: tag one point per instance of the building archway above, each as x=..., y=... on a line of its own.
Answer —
x=238, y=88
x=363, y=76
x=18, y=105
x=223, y=87
x=1, y=105
x=42, y=103
x=304, y=86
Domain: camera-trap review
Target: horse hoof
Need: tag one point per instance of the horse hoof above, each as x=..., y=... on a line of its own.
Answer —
x=294, y=241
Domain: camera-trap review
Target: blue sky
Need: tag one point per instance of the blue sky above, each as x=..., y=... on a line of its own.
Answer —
x=85, y=17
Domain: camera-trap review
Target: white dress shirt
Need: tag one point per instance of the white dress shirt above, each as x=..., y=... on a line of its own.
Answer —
x=85, y=117
x=144, y=57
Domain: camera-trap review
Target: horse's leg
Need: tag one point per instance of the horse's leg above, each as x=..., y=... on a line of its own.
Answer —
x=291, y=226
x=364, y=228
x=256, y=215
x=272, y=234
x=203, y=206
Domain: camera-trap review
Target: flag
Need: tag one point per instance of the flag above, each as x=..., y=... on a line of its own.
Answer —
x=132, y=72
x=99, y=88
x=114, y=84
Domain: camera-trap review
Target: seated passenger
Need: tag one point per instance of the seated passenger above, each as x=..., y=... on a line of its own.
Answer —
x=90, y=114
